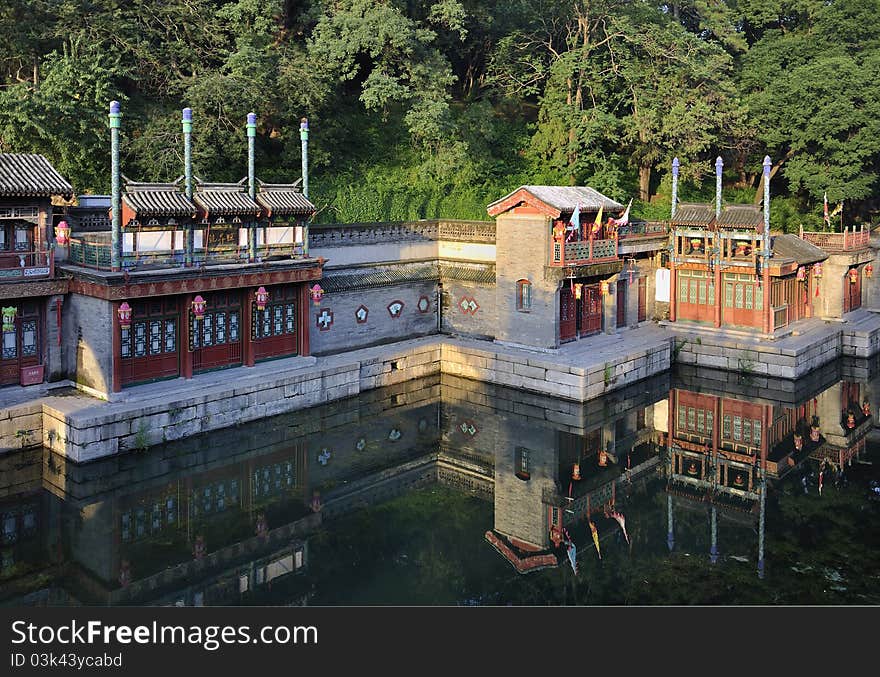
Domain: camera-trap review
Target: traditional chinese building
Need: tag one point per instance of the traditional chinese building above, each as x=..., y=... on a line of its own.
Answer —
x=192, y=276
x=31, y=297
x=728, y=270
x=560, y=265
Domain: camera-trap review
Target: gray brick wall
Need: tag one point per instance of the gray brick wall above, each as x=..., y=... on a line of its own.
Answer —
x=347, y=334
x=88, y=341
x=522, y=246
x=480, y=323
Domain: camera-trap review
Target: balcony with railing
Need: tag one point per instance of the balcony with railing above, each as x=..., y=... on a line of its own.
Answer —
x=851, y=239
x=92, y=250
x=27, y=265
x=642, y=229
x=583, y=252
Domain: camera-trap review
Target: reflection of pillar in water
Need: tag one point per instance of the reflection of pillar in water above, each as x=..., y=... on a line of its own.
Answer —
x=713, y=551
x=670, y=538
x=761, y=528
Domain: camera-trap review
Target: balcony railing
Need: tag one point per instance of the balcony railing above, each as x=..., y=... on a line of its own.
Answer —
x=847, y=241
x=96, y=254
x=33, y=265
x=583, y=253
x=642, y=229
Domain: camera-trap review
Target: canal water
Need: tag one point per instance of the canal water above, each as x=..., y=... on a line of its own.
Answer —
x=444, y=491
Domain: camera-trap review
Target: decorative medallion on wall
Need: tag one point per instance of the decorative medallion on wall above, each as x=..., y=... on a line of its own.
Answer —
x=423, y=425
x=424, y=305
x=361, y=314
x=468, y=305
x=361, y=444
x=324, y=319
x=468, y=428
x=324, y=456
x=395, y=435
x=395, y=308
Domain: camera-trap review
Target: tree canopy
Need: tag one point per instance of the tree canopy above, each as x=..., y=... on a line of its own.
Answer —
x=425, y=108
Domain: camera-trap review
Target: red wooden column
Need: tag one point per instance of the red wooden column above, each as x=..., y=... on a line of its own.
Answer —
x=186, y=356
x=768, y=298
x=673, y=291
x=305, y=316
x=719, y=295
x=116, y=347
x=247, y=320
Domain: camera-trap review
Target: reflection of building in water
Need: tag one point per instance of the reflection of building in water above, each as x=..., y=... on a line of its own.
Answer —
x=726, y=439
x=555, y=462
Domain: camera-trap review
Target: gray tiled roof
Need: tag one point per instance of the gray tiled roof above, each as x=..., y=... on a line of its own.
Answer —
x=379, y=277
x=484, y=273
x=565, y=198
x=284, y=199
x=30, y=175
x=792, y=247
x=741, y=216
x=227, y=199
x=157, y=199
x=693, y=214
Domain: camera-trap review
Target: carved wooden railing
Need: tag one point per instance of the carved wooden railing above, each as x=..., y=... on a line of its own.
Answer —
x=351, y=234
x=581, y=253
x=849, y=240
x=27, y=265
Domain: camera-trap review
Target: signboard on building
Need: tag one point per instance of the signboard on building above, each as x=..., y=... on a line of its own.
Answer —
x=662, y=285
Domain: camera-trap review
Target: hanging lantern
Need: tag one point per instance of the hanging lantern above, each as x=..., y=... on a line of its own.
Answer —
x=801, y=273
x=866, y=408
x=262, y=298
x=604, y=287
x=9, y=314
x=577, y=291
x=316, y=293
x=853, y=275
x=603, y=459
x=198, y=307
x=814, y=433
x=124, y=314
x=869, y=270
x=62, y=234
x=576, y=471
x=850, y=420
x=798, y=442
x=817, y=270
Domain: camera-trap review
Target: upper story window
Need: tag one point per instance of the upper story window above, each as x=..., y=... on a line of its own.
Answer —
x=523, y=295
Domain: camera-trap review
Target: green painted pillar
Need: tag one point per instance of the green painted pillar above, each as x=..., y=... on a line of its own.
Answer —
x=189, y=244
x=115, y=198
x=252, y=183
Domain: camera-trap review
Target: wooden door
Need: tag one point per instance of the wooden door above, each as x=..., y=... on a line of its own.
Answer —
x=740, y=302
x=852, y=293
x=21, y=346
x=643, y=299
x=621, y=304
x=567, y=314
x=274, y=330
x=590, y=310
x=215, y=340
x=149, y=349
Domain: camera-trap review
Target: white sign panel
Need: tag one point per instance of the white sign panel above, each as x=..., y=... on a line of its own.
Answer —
x=662, y=285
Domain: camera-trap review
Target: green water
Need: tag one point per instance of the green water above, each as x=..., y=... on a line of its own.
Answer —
x=387, y=499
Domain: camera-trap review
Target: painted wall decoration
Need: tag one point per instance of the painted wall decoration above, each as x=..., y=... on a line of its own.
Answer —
x=424, y=304
x=361, y=444
x=324, y=319
x=468, y=428
x=361, y=314
x=468, y=305
x=395, y=434
x=324, y=456
x=395, y=308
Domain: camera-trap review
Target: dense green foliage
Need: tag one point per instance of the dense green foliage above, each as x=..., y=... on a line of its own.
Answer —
x=435, y=108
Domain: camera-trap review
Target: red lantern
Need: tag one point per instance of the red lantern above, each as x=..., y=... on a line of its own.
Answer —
x=603, y=459
x=853, y=275
x=198, y=307
x=814, y=433
x=262, y=298
x=798, y=442
x=817, y=270
x=124, y=313
x=801, y=273
x=316, y=293
x=576, y=471
x=62, y=234
x=869, y=270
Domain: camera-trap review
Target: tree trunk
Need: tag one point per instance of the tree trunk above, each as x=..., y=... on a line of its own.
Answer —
x=645, y=183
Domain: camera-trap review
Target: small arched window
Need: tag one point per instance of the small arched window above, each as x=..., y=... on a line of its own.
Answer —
x=523, y=295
